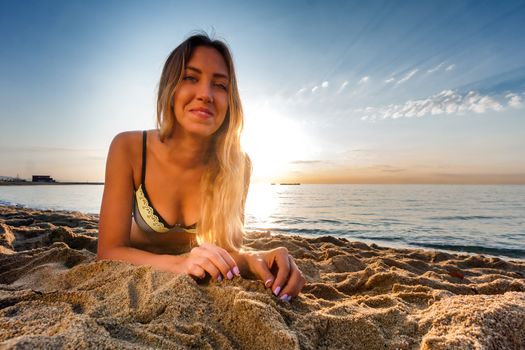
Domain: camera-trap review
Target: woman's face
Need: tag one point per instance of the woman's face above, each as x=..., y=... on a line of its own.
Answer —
x=201, y=99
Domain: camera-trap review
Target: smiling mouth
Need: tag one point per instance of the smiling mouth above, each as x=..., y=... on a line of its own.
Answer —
x=202, y=114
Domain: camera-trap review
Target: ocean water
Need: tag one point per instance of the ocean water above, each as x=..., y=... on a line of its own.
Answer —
x=484, y=219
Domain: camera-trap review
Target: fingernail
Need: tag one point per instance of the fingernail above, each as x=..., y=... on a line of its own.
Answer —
x=277, y=290
x=289, y=298
x=284, y=297
x=219, y=278
x=229, y=275
x=236, y=271
x=268, y=283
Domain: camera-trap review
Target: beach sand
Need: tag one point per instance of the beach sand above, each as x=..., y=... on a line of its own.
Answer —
x=54, y=294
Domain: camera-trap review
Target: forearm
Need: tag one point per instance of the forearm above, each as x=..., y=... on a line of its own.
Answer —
x=162, y=262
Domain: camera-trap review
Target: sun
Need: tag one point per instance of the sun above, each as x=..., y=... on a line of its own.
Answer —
x=273, y=142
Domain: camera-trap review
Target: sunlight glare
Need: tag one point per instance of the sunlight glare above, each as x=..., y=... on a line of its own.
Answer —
x=273, y=142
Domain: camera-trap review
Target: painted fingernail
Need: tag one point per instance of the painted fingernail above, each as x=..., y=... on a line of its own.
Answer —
x=219, y=278
x=236, y=271
x=284, y=297
x=229, y=275
x=268, y=283
x=289, y=298
x=277, y=290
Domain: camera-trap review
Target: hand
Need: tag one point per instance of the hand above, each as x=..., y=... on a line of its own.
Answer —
x=278, y=270
x=211, y=259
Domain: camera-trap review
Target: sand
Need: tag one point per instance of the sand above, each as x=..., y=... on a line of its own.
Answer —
x=54, y=294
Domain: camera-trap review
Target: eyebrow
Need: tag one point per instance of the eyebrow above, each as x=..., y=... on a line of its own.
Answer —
x=216, y=75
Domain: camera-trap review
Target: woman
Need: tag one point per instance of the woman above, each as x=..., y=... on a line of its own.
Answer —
x=186, y=181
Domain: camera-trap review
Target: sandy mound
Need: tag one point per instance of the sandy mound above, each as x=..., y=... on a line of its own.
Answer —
x=53, y=294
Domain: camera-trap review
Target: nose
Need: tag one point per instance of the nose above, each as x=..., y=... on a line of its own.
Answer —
x=205, y=93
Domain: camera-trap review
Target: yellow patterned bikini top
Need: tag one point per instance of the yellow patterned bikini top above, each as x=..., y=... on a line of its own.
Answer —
x=145, y=215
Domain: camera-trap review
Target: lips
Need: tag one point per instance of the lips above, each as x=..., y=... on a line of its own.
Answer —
x=202, y=112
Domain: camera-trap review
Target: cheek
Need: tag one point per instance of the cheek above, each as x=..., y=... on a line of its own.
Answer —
x=179, y=102
x=224, y=101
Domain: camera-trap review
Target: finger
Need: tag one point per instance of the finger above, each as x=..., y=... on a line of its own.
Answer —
x=196, y=271
x=283, y=266
x=230, y=261
x=208, y=266
x=295, y=282
x=199, y=256
x=211, y=252
x=261, y=270
x=226, y=256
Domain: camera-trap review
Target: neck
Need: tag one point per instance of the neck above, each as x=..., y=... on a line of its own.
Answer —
x=187, y=150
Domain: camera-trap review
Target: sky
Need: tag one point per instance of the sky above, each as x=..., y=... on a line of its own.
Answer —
x=333, y=91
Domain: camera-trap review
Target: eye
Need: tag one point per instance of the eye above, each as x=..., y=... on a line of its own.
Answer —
x=222, y=86
x=190, y=78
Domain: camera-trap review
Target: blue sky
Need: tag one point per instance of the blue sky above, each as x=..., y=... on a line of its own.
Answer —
x=375, y=91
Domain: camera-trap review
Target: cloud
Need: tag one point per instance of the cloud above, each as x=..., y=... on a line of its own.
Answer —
x=50, y=150
x=343, y=85
x=324, y=84
x=387, y=168
x=364, y=80
x=436, y=68
x=451, y=67
x=408, y=76
x=515, y=101
x=306, y=161
x=390, y=80
x=445, y=102
x=300, y=91
x=314, y=89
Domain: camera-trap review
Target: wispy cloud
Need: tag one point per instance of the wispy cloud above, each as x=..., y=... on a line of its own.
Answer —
x=436, y=68
x=364, y=80
x=445, y=102
x=390, y=80
x=515, y=101
x=324, y=85
x=450, y=67
x=315, y=88
x=387, y=168
x=48, y=150
x=408, y=76
x=342, y=87
x=307, y=161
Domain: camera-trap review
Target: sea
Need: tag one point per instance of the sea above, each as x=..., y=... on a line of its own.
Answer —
x=478, y=219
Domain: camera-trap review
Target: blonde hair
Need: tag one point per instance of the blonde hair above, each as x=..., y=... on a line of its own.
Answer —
x=226, y=180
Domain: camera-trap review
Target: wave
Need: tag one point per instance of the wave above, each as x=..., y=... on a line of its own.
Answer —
x=309, y=231
x=467, y=217
x=507, y=252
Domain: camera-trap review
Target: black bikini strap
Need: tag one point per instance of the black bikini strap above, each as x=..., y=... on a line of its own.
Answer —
x=144, y=134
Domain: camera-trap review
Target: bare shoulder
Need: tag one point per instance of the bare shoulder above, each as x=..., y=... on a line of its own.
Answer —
x=126, y=139
x=126, y=144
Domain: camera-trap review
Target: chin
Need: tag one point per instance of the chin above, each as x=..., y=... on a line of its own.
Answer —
x=200, y=132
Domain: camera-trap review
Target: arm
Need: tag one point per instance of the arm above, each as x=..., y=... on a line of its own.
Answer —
x=162, y=262
x=115, y=211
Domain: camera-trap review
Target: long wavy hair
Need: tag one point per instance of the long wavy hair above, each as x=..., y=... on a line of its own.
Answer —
x=226, y=179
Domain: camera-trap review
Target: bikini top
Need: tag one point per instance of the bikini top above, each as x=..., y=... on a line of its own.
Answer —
x=145, y=215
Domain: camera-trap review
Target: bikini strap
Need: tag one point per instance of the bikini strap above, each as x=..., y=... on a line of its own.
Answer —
x=144, y=135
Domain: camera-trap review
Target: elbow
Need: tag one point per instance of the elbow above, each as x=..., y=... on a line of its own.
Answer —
x=100, y=256
x=108, y=253
x=103, y=254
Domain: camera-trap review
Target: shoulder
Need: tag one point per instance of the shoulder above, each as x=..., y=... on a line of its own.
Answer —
x=126, y=138
x=126, y=145
x=126, y=142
